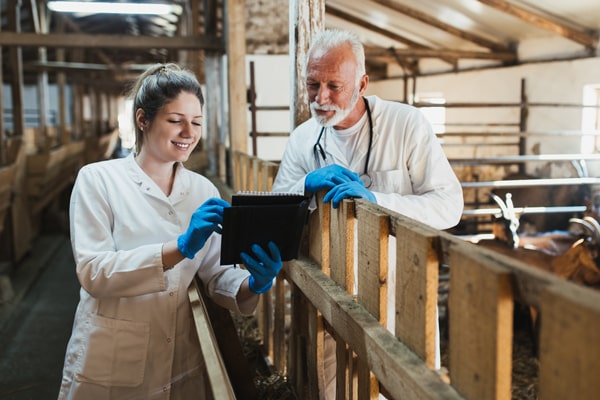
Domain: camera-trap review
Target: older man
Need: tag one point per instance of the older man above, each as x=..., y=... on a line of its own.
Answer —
x=365, y=147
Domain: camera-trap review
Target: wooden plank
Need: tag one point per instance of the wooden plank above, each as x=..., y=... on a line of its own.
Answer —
x=315, y=353
x=417, y=265
x=307, y=18
x=319, y=231
x=297, y=360
x=215, y=367
x=239, y=373
x=235, y=34
x=399, y=370
x=588, y=40
x=342, y=244
x=109, y=41
x=569, y=343
x=373, y=236
x=344, y=370
x=280, y=325
x=480, y=306
x=368, y=388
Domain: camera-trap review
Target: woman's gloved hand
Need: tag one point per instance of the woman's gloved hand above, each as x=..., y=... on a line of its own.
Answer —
x=349, y=190
x=263, y=270
x=205, y=220
x=328, y=177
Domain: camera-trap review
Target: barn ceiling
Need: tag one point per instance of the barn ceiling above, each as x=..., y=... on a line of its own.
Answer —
x=401, y=37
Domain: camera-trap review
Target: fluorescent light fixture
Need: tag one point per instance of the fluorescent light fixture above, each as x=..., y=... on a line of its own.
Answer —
x=93, y=7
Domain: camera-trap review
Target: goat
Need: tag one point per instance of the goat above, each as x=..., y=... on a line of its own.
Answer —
x=506, y=227
x=550, y=195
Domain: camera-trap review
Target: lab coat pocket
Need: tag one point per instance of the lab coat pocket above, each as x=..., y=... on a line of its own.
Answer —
x=392, y=181
x=116, y=352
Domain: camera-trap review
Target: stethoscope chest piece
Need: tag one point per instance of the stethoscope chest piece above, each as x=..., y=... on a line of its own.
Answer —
x=366, y=180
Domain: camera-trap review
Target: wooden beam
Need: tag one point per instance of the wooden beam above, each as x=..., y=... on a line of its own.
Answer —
x=307, y=17
x=3, y=152
x=236, y=59
x=587, y=40
x=394, y=36
x=402, y=372
x=86, y=41
x=64, y=20
x=436, y=53
x=210, y=17
x=429, y=20
x=80, y=66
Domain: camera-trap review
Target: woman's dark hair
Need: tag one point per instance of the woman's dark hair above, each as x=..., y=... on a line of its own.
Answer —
x=157, y=86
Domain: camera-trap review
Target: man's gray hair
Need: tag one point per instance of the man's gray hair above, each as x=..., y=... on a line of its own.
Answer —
x=333, y=38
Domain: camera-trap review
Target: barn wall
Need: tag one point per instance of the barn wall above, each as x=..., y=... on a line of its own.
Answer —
x=553, y=82
x=31, y=108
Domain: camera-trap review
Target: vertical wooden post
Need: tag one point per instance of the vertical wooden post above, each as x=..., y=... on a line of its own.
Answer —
x=212, y=77
x=236, y=56
x=373, y=236
x=523, y=115
x=307, y=17
x=61, y=82
x=16, y=62
x=38, y=9
x=252, y=100
x=3, y=152
x=569, y=345
x=416, y=262
x=480, y=296
x=20, y=211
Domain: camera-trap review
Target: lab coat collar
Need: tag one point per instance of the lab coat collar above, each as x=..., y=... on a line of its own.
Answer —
x=181, y=184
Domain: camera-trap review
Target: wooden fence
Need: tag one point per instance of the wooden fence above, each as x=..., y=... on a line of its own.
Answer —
x=314, y=293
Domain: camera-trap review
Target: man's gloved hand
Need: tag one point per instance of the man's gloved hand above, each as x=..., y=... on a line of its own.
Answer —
x=205, y=220
x=349, y=190
x=263, y=271
x=328, y=177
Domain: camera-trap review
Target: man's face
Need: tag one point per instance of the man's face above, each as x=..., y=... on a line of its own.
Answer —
x=333, y=88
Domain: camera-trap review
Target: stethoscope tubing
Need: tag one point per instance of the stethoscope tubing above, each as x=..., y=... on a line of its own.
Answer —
x=318, y=149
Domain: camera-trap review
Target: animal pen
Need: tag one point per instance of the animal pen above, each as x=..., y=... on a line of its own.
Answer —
x=483, y=288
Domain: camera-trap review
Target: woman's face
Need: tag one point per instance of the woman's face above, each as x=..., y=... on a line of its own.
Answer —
x=175, y=131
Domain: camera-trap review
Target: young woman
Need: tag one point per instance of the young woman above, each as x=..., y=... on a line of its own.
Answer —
x=141, y=228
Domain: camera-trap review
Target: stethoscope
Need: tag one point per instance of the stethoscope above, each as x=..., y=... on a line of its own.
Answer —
x=318, y=149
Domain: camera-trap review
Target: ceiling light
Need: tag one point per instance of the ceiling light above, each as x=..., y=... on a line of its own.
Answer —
x=93, y=7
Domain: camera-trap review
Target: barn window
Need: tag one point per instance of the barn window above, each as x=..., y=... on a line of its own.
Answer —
x=590, y=123
x=436, y=114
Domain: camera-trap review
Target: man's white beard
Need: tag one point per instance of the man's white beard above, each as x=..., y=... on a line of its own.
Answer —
x=339, y=115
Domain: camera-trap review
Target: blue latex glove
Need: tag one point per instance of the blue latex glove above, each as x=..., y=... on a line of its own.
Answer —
x=328, y=177
x=263, y=271
x=205, y=220
x=349, y=190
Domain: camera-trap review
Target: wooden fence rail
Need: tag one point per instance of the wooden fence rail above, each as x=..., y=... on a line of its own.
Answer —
x=315, y=294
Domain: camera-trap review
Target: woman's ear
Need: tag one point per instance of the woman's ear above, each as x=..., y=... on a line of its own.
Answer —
x=140, y=119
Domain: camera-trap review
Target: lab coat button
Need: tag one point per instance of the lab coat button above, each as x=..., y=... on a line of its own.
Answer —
x=168, y=340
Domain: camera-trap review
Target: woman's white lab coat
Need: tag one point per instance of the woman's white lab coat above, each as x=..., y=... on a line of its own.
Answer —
x=133, y=335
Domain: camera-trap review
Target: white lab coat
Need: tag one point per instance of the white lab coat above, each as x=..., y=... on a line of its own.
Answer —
x=409, y=171
x=133, y=335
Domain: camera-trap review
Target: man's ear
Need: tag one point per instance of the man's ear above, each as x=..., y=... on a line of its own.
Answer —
x=363, y=83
